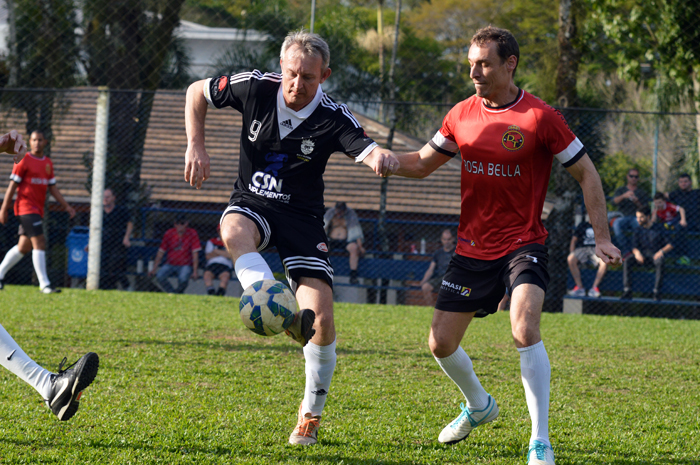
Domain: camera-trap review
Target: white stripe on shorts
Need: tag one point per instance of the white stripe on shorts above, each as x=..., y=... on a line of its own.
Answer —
x=309, y=263
x=264, y=241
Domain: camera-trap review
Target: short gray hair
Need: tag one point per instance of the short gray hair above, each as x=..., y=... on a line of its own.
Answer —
x=310, y=44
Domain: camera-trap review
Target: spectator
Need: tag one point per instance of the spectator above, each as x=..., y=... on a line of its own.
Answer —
x=650, y=244
x=182, y=246
x=31, y=178
x=116, y=239
x=219, y=264
x=628, y=199
x=668, y=213
x=582, y=250
x=688, y=198
x=344, y=232
x=433, y=275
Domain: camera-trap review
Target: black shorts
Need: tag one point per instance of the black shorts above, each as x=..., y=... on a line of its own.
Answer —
x=472, y=285
x=300, y=239
x=218, y=268
x=30, y=225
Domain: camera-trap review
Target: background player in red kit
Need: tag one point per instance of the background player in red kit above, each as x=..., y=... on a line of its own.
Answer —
x=31, y=178
x=507, y=139
x=61, y=390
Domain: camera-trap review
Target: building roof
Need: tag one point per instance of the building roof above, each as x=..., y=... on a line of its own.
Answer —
x=163, y=160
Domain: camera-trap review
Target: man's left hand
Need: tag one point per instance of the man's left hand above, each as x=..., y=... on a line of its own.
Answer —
x=382, y=161
x=71, y=211
x=607, y=252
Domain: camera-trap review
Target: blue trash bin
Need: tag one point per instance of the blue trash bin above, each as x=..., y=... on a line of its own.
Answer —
x=76, y=242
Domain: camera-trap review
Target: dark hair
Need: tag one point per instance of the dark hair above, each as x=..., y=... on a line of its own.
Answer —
x=341, y=206
x=506, y=45
x=659, y=195
x=38, y=131
x=181, y=218
x=632, y=169
x=644, y=210
x=684, y=175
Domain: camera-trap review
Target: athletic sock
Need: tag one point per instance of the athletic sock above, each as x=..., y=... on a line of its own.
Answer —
x=12, y=257
x=459, y=368
x=14, y=359
x=320, y=364
x=39, y=260
x=536, y=373
x=251, y=268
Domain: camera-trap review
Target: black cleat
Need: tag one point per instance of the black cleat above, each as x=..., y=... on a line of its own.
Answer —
x=2, y=285
x=67, y=385
x=302, y=329
x=50, y=290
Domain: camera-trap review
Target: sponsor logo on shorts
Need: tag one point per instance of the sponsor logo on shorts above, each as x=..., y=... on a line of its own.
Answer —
x=322, y=247
x=456, y=288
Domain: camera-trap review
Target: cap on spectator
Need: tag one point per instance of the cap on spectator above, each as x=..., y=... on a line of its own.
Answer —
x=181, y=218
x=341, y=206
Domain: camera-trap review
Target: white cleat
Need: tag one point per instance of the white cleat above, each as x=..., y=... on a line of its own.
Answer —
x=540, y=454
x=461, y=426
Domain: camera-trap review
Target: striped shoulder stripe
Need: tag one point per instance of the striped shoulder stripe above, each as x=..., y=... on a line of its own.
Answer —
x=255, y=74
x=328, y=103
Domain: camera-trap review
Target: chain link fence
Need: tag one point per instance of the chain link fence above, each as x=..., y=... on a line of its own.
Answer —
x=56, y=55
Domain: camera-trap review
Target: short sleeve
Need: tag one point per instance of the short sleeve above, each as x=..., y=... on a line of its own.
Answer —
x=196, y=245
x=558, y=138
x=18, y=171
x=209, y=248
x=52, y=177
x=229, y=91
x=444, y=140
x=352, y=139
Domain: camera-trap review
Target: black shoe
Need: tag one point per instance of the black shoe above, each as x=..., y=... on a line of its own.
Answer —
x=211, y=291
x=68, y=384
x=302, y=329
x=2, y=285
x=50, y=290
x=354, y=280
x=626, y=295
x=221, y=291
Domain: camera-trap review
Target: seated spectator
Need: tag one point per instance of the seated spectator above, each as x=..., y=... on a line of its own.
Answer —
x=182, y=246
x=219, y=264
x=582, y=251
x=628, y=199
x=650, y=244
x=668, y=213
x=688, y=198
x=436, y=270
x=344, y=232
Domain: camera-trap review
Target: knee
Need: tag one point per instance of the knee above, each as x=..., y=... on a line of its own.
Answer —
x=352, y=248
x=525, y=335
x=441, y=346
x=571, y=259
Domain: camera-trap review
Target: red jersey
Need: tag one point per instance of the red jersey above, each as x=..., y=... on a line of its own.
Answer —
x=507, y=155
x=33, y=175
x=669, y=212
x=180, y=248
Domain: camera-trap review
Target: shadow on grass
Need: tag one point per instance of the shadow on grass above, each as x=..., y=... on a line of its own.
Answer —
x=249, y=347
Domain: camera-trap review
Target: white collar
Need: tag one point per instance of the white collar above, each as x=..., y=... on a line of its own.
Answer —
x=288, y=119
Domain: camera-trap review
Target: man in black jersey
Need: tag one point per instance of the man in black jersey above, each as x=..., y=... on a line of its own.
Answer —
x=290, y=129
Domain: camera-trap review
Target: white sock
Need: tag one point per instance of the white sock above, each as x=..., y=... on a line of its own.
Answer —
x=536, y=373
x=14, y=359
x=459, y=368
x=251, y=268
x=39, y=260
x=12, y=257
x=320, y=364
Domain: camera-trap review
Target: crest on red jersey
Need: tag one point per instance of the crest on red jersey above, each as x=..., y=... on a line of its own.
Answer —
x=513, y=139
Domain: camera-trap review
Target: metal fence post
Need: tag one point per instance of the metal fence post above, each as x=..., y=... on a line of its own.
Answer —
x=98, y=187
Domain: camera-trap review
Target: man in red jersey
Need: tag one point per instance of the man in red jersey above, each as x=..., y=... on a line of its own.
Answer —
x=182, y=246
x=31, y=178
x=507, y=139
x=61, y=391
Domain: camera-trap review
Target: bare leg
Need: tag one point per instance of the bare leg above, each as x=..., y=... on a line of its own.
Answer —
x=575, y=272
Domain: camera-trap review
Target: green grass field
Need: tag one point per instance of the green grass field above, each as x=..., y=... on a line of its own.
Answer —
x=182, y=381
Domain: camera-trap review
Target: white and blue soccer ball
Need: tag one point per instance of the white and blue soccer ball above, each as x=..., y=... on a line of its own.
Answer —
x=267, y=307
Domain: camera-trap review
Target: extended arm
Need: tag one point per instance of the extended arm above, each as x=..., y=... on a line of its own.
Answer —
x=156, y=262
x=9, y=193
x=420, y=164
x=428, y=273
x=13, y=144
x=196, y=156
x=127, y=236
x=195, y=264
x=684, y=220
x=585, y=173
x=572, y=246
x=57, y=195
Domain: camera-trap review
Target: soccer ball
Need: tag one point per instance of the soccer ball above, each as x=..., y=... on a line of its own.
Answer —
x=267, y=307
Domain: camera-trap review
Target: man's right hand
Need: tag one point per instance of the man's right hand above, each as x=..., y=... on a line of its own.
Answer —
x=196, y=165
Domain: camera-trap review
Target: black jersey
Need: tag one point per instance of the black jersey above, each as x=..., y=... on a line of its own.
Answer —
x=288, y=171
